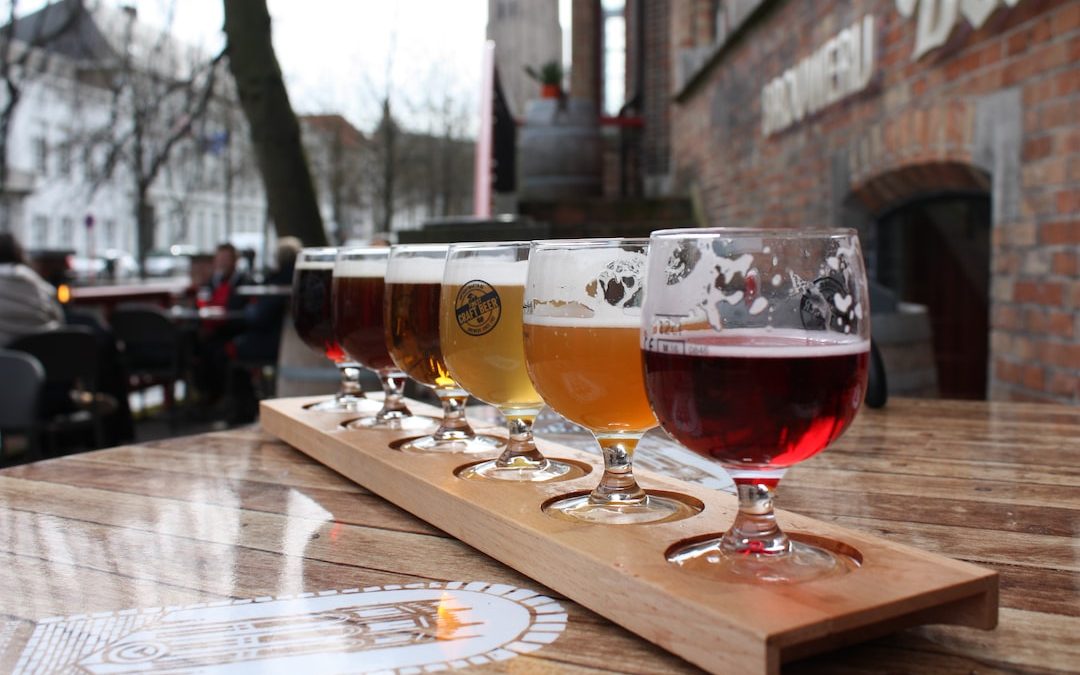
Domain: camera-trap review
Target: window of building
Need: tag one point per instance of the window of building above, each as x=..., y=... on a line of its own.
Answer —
x=63, y=159
x=720, y=21
x=39, y=231
x=41, y=156
x=67, y=232
x=614, y=29
x=89, y=164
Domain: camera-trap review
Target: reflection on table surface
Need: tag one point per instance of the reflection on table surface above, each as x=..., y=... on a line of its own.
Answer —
x=233, y=549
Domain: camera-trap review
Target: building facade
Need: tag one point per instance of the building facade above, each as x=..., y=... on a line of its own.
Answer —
x=526, y=33
x=71, y=179
x=946, y=131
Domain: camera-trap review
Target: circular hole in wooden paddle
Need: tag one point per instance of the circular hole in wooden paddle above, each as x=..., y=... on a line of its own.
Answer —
x=475, y=471
x=575, y=507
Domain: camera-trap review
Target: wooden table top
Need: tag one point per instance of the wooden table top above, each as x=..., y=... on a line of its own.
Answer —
x=112, y=558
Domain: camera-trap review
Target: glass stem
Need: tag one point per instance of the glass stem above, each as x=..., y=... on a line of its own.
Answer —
x=350, y=380
x=755, y=530
x=520, y=449
x=393, y=384
x=454, y=426
x=618, y=485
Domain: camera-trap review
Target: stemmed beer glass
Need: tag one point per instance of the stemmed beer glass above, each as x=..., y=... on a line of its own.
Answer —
x=413, y=284
x=481, y=339
x=755, y=345
x=359, y=288
x=312, y=318
x=582, y=332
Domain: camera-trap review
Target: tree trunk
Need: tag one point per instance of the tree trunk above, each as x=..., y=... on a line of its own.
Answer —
x=275, y=132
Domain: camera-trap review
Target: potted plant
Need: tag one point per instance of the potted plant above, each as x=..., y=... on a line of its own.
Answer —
x=550, y=78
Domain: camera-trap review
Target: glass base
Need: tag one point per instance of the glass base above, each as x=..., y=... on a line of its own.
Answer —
x=522, y=470
x=402, y=423
x=478, y=444
x=346, y=403
x=801, y=563
x=654, y=509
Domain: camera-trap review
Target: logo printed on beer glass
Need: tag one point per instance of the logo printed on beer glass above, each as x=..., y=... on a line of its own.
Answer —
x=477, y=308
x=619, y=284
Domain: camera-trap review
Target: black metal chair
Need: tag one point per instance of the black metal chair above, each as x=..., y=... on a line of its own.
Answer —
x=877, y=387
x=72, y=397
x=151, y=349
x=20, y=398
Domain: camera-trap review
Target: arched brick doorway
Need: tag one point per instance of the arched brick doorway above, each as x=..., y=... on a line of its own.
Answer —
x=928, y=238
x=935, y=251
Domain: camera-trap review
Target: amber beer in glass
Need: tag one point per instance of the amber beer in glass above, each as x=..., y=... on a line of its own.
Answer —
x=312, y=314
x=359, y=289
x=566, y=355
x=755, y=351
x=481, y=336
x=413, y=289
x=582, y=327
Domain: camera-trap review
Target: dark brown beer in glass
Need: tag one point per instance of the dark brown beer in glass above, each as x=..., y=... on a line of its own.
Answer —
x=358, y=319
x=312, y=310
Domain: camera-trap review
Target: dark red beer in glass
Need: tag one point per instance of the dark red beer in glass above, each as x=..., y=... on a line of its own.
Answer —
x=804, y=393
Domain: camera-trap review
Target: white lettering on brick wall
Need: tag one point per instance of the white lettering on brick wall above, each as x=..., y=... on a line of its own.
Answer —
x=839, y=68
x=937, y=18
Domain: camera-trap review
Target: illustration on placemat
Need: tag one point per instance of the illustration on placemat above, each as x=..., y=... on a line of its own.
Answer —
x=426, y=627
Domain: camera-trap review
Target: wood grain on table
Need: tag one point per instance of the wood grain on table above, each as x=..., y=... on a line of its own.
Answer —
x=235, y=515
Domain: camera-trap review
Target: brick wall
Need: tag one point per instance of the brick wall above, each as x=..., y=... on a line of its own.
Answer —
x=994, y=109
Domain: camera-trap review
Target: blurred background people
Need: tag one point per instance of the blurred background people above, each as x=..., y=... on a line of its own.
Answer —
x=226, y=279
x=27, y=302
x=258, y=344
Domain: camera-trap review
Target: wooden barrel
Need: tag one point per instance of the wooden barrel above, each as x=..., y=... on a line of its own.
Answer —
x=906, y=343
x=559, y=150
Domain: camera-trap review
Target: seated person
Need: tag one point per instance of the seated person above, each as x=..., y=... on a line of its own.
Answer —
x=263, y=318
x=227, y=277
x=215, y=335
x=27, y=302
x=28, y=305
x=261, y=338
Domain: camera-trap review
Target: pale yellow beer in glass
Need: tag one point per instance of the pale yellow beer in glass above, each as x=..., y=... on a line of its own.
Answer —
x=490, y=365
x=480, y=332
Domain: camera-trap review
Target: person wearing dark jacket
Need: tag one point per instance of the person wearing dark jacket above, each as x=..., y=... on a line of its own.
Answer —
x=261, y=339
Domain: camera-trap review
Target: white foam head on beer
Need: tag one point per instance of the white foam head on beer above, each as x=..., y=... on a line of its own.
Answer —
x=316, y=264
x=418, y=270
x=361, y=268
x=571, y=277
x=493, y=272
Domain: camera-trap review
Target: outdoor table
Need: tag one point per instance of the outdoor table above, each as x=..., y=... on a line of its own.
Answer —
x=232, y=546
x=208, y=313
x=161, y=292
x=264, y=290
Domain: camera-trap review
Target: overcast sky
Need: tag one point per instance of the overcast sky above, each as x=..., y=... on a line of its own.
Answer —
x=335, y=53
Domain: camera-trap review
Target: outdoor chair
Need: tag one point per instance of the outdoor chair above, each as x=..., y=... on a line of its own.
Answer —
x=72, y=399
x=151, y=349
x=877, y=385
x=23, y=378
